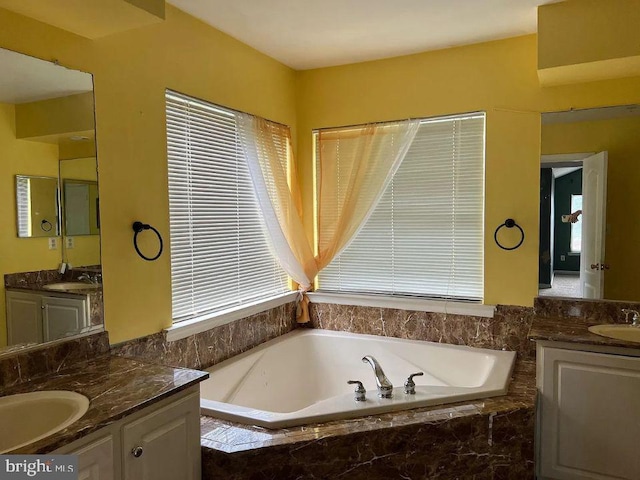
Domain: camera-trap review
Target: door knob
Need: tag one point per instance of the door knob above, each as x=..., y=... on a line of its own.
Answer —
x=137, y=451
x=595, y=266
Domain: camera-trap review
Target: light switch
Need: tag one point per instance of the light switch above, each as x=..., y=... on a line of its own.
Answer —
x=69, y=243
x=53, y=243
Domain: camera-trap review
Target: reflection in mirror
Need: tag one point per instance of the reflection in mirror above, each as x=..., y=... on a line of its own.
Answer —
x=37, y=206
x=51, y=284
x=589, y=228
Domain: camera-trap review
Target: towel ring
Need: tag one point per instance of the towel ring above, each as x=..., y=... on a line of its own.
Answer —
x=139, y=227
x=46, y=226
x=509, y=223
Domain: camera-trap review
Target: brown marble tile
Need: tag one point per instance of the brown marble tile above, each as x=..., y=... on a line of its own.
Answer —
x=25, y=364
x=115, y=386
x=507, y=330
x=213, y=346
x=491, y=438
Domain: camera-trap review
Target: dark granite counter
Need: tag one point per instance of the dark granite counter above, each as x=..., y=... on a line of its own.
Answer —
x=555, y=329
x=488, y=438
x=116, y=387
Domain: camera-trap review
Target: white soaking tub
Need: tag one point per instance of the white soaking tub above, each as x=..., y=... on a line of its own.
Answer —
x=301, y=378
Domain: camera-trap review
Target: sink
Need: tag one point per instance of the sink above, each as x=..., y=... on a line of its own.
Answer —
x=72, y=286
x=619, y=332
x=28, y=417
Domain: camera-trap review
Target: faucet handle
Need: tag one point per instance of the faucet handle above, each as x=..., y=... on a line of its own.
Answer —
x=634, y=319
x=410, y=385
x=360, y=392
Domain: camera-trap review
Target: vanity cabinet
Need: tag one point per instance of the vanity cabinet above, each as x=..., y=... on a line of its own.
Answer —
x=34, y=317
x=589, y=414
x=160, y=442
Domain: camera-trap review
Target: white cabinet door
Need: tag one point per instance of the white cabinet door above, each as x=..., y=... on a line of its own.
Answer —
x=96, y=460
x=589, y=415
x=164, y=445
x=24, y=318
x=62, y=317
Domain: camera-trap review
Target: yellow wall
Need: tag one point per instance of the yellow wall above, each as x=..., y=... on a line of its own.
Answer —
x=621, y=139
x=497, y=77
x=62, y=115
x=26, y=158
x=131, y=71
x=588, y=40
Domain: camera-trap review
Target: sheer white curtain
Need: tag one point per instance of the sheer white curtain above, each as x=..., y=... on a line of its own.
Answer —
x=349, y=188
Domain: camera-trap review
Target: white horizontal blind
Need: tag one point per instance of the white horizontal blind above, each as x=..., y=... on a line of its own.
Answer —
x=425, y=237
x=24, y=199
x=220, y=257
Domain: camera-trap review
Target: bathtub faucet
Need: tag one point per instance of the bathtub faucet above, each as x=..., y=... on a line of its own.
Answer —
x=385, y=388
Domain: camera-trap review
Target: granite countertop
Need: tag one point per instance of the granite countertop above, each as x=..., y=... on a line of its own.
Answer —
x=116, y=387
x=232, y=437
x=560, y=330
x=40, y=289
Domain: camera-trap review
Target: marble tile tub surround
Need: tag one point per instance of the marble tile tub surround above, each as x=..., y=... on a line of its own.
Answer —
x=482, y=439
x=507, y=330
x=115, y=386
x=205, y=349
x=22, y=365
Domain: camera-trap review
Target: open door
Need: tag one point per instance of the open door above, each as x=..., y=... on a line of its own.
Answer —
x=594, y=198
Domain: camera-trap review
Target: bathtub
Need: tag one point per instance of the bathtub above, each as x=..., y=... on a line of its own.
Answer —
x=301, y=378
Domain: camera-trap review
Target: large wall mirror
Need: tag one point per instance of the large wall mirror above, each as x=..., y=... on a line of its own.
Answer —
x=50, y=211
x=589, y=211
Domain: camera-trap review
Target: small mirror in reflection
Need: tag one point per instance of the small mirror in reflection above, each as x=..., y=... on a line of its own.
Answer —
x=37, y=206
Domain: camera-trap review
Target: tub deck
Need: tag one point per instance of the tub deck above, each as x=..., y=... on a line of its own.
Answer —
x=491, y=438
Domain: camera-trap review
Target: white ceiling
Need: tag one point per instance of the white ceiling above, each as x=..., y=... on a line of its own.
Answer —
x=29, y=79
x=306, y=34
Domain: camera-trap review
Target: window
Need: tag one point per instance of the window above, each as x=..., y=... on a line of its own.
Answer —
x=576, y=228
x=220, y=257
x=425, y=236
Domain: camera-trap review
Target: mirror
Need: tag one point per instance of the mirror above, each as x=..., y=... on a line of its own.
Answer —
x=51, y=278
x=589, y=228
x=37, y=206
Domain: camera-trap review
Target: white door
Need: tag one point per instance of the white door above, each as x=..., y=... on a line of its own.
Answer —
x=95, y=461
x=594, y=200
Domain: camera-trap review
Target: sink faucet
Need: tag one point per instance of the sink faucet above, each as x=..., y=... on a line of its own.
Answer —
x=385, y=387
x=87, y=277
x=635, y=319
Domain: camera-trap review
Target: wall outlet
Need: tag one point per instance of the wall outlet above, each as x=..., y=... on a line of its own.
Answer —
x=69, y=243
x=53, y=243
x=563, y=258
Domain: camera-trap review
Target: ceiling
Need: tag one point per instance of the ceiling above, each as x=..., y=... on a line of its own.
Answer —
x=305, y=34
x=28, y=79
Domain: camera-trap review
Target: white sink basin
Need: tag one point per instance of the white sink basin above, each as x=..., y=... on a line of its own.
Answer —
x=619, y=332
x=28, y=417
x=72, y=286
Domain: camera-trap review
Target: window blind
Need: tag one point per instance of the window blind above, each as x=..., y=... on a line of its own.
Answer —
x=425, y=236
x=24, y=206
x=220, y=257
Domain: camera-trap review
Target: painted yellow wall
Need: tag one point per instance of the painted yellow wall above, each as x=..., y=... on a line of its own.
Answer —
x=497, y=77
x=26, y=158
x=586, y=40
x=621, y=139
x=62, y=115
x=131, y=72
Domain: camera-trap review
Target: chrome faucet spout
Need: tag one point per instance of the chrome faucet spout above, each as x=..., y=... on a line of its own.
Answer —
x=385, y=387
